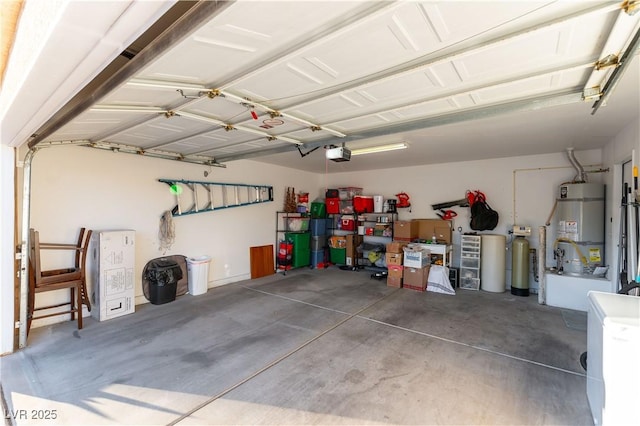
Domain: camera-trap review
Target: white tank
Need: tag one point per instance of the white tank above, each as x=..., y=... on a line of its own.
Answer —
x=493, y=256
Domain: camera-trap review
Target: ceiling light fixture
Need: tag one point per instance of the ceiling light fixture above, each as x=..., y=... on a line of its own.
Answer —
x=379, y=148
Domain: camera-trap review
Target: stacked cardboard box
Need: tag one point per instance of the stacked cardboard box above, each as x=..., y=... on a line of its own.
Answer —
x=427, y=228
x=394, y=275
x=394, y=263
x=415, y=278
x=416, y=256
x=405, y=230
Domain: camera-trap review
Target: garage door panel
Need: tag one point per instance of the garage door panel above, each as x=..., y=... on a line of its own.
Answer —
x=241, y=36
x=159, y=130
x=142, y=96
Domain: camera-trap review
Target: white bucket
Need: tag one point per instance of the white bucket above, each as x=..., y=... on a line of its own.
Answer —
x=360, y=229
x=198, y=271
x=378, y=203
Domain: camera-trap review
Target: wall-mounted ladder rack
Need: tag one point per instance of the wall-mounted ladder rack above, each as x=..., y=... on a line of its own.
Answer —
x=210, y=196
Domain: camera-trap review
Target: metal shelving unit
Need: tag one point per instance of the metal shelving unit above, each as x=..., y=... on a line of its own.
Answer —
x=370, y=220
x=292, y=226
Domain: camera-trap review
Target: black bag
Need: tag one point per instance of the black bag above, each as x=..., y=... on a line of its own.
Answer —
x=163, y=272
x=483, y=217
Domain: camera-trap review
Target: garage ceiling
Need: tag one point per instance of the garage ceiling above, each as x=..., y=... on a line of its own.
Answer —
x=272, y=81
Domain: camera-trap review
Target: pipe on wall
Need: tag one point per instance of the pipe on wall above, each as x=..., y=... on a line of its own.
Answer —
x=542, y=265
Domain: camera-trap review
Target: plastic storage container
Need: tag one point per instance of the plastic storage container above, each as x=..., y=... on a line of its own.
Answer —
x=301, y=254
x=163, y=276
x=198, y=268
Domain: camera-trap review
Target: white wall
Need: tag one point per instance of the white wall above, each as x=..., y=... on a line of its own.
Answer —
x=7, y=297
x=521, y=189
x=100, y=190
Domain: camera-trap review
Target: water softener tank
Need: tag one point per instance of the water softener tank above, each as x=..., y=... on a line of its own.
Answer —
x=580, y=231
x=520, y=267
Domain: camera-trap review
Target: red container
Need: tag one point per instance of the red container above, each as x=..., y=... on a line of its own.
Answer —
x=363, y=204
x=348, y=224
x=285, y=250
x=333, y=205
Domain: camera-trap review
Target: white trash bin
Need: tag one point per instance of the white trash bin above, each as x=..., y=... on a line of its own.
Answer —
x=198, y=270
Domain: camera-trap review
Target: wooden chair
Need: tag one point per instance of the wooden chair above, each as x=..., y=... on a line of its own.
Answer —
x=72, y=278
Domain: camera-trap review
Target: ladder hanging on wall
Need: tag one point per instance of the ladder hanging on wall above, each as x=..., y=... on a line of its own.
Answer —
x=210, y=196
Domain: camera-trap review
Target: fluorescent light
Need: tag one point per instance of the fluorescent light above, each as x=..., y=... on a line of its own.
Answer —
x=379, y=148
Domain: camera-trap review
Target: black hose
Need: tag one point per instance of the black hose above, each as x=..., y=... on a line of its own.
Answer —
x=583, y=360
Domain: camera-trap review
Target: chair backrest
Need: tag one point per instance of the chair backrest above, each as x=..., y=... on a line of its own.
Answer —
x=81, y=255
x=81, y=249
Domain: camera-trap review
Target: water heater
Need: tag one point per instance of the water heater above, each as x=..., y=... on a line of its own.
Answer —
x=579, y=245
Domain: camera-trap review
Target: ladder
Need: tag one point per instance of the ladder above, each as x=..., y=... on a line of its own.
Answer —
x=210, y=196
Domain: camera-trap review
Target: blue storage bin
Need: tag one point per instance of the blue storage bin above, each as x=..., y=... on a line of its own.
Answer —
x=317, y=257
x=318, y=227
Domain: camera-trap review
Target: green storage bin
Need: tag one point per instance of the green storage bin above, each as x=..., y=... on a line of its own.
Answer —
x=338, y=256
x=318, y=210
x=301, y=255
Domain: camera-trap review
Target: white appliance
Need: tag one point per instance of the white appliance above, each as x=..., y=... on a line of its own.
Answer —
x=613, y=351
x=112, y=273
x=339, y=154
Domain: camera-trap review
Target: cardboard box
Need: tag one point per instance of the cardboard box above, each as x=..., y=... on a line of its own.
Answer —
x=395, y=247
x=443, y=230
x=394, y=276
x=394, y=258
x=415, y=278
x=353, y=241
x=405, y=230
x=416, y=257
x=113, y=273
x=394, y=282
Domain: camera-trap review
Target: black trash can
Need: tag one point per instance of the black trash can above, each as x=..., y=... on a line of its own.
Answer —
x=163, y=276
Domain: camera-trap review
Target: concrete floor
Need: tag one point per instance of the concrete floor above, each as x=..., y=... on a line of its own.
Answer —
x=312, y=347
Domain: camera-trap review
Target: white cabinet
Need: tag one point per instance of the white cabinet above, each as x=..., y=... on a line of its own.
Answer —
x=470, y=262
x=112, y=273
x=613, y=349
